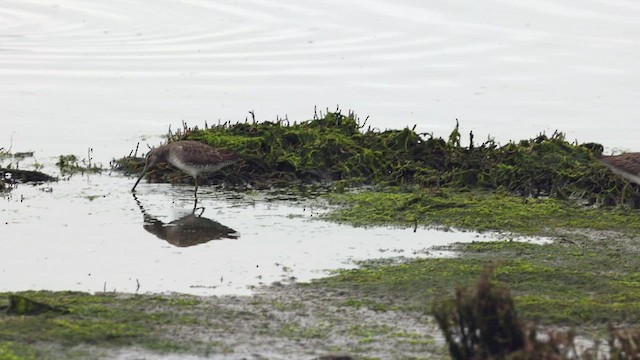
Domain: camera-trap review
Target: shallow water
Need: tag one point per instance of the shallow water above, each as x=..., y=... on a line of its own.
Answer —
x=90, y=233
x=81, y=74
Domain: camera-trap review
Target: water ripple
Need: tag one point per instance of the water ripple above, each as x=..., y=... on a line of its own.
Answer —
x=438, y=56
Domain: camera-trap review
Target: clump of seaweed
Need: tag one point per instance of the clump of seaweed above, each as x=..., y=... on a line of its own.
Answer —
x=130, y=164
x=483, y=324
x=70, y=164
x=335, y=147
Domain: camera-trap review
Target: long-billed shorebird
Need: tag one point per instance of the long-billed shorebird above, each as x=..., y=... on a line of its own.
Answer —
x=626, y=165
x=189, y=156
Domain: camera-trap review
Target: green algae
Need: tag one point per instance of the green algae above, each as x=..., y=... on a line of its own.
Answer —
x=337, y=149
x=103, y=320
x=475, y=210
x=70, y=164
x=105, y=325
x=553, y=284
x=11, y=351
x=587, y=277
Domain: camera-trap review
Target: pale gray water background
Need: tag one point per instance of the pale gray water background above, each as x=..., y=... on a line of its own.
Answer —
x=110, y=74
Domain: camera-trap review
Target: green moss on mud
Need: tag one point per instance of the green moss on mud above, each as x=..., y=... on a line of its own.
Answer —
x=112, y=325
x=587, y=275
x=476, y=210
x=555, y=284
x=102, y=320
x=11, y=351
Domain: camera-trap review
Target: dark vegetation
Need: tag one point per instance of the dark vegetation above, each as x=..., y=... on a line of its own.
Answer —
x=23, y=176
x=10, y=174
x=483, y=323
x=341, y=150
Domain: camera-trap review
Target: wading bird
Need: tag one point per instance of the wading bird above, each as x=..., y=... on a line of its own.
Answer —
x=189, y=156
x=626, y=166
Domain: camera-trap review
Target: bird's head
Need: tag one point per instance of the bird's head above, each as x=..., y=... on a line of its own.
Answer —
x=154, y=157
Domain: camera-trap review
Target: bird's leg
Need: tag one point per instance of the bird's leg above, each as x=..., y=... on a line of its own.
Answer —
x=195, y=192
x=195, y=204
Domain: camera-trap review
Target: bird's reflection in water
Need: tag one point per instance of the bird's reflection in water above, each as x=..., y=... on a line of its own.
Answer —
x=189, y=230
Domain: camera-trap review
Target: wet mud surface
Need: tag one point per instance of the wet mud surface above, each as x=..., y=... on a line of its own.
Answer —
x=294, y=322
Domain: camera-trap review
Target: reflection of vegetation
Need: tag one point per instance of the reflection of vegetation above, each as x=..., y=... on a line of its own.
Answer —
x=337, y=148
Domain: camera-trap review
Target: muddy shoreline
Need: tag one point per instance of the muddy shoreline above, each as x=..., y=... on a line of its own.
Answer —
x=289, y=321
x=330, y=318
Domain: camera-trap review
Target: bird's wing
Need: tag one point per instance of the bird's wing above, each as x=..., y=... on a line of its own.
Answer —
x=625, y=165
x=199, y=154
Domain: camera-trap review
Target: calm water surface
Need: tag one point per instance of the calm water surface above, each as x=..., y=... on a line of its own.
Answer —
x=80, y=74
x=90, y=233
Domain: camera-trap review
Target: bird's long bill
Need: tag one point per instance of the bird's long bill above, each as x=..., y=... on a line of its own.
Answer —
x=140, y=178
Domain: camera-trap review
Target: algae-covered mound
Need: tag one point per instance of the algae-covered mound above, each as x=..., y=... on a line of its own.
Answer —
x=337, y=147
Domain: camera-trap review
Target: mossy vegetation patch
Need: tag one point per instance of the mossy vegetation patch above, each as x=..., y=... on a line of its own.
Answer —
x=477, y=210
x=290, y=322
x=102, y=320
x=570, y=283
x=587, y=276
x=338, y=149
x=71, y=164
x=12, y=351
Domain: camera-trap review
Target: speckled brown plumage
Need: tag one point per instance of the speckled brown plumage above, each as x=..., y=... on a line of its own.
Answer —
x=189, y=156
x=626, y=165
